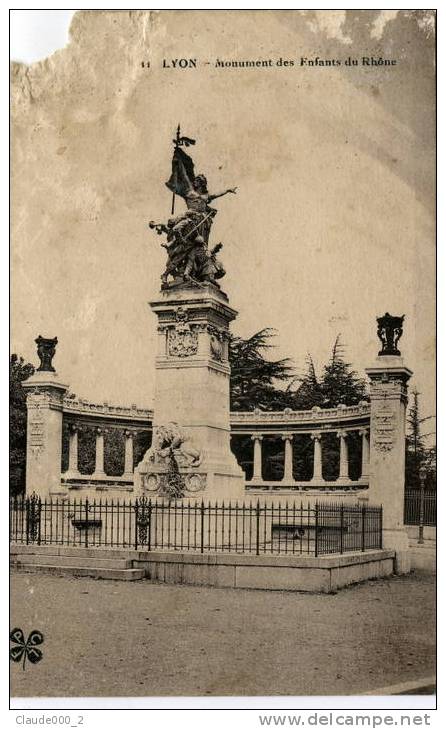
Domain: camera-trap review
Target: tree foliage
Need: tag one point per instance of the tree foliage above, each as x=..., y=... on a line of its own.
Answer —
x=338, y=384
x=19, y=371
x=253, y=377
x=418, y=451
x=258, y=382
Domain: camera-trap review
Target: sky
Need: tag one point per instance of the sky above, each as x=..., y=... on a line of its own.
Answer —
x=333, y=223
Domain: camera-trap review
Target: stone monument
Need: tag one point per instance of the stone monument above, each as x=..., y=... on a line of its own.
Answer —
x=388, y=395
x=190, y=456
x=45, y=395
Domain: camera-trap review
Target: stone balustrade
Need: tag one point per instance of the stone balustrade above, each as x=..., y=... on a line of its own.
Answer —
x=79, y=413
x=81, y=407
x=317, y=480
x=287, y=416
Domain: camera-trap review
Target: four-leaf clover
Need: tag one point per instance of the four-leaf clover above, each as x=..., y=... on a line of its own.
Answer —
x=25, y=649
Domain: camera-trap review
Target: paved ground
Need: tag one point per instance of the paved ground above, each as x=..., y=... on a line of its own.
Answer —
x=142, y=639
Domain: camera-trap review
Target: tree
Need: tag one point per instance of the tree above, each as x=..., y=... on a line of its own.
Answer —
x=310, y=391
x=19, y=371
x=255, y=382
x=418, y=452
x=338, y=384
x=254, y=378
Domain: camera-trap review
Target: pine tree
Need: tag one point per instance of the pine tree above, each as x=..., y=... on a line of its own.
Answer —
x=310, y=392
x=254, y=378
x=418, y=452
x=340, y=383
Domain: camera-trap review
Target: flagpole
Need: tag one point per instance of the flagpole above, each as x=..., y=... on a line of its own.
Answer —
x=176, y=143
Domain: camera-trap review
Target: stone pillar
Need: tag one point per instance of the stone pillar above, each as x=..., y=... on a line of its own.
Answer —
x=388, y=395
x=73, y=466
x=365, y=455
x=191, y=403
x=99, y=464
x=288, y=464
x=317, y=464
x=44, y=403
x=343, y=458
x=128, y=455
x=257, y=466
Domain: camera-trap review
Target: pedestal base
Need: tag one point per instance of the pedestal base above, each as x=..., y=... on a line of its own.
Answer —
x=397, y=539
x=209, y=480
x=44, y=403
x=191, y=455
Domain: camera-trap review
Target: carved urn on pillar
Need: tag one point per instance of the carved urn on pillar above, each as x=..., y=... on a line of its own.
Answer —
x=44, y=400
x=388, y=398
x=46, y=349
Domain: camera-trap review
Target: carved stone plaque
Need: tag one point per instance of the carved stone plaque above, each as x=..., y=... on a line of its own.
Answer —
x=36, y=439
x=384, y=429
x=182, y=343
x=195, y=482
x=182, y=339
x=151, y=482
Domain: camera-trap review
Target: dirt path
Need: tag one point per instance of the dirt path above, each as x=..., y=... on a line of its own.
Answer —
x=143, y=639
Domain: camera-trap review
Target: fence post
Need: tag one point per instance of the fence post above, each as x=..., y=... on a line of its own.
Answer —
x=316, y=528
x=39, y=513
x=381, y=526
x=363, y=529
x=86, y=523
x=27, y=518
x=202, y=527
x=136, y=523
x=149, y=526
x=342, y=528
x=421, y=519
x=258, y=527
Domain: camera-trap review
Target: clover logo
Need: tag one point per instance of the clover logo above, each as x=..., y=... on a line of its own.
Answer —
x=25, y=649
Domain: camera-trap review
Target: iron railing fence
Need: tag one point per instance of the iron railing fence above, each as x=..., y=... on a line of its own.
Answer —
x=254, y=528
x=420, y=507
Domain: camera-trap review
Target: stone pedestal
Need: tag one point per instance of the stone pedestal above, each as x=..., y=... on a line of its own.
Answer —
x=191, y=408
x=388, y=393
x=44, y=433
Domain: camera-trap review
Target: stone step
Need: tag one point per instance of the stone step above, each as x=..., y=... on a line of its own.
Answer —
x=100, y=573
x=70, y=560
x=54, y=549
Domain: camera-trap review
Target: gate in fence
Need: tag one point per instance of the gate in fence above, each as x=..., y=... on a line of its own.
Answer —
x=420, y=508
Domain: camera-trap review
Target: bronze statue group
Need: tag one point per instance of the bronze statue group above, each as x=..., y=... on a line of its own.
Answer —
x=187, y=245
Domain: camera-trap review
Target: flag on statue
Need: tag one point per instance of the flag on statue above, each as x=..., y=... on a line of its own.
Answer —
x=183, y=174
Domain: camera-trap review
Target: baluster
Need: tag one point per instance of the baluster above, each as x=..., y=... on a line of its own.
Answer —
x=99, y=463
x=73, y=463
x=128, y=455
x=317, y=462
x=365, y=457
x=257, y=466
x=343, y=458
x=288, y=463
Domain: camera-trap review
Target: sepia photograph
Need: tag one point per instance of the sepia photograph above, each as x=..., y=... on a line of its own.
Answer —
x=222, y=356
